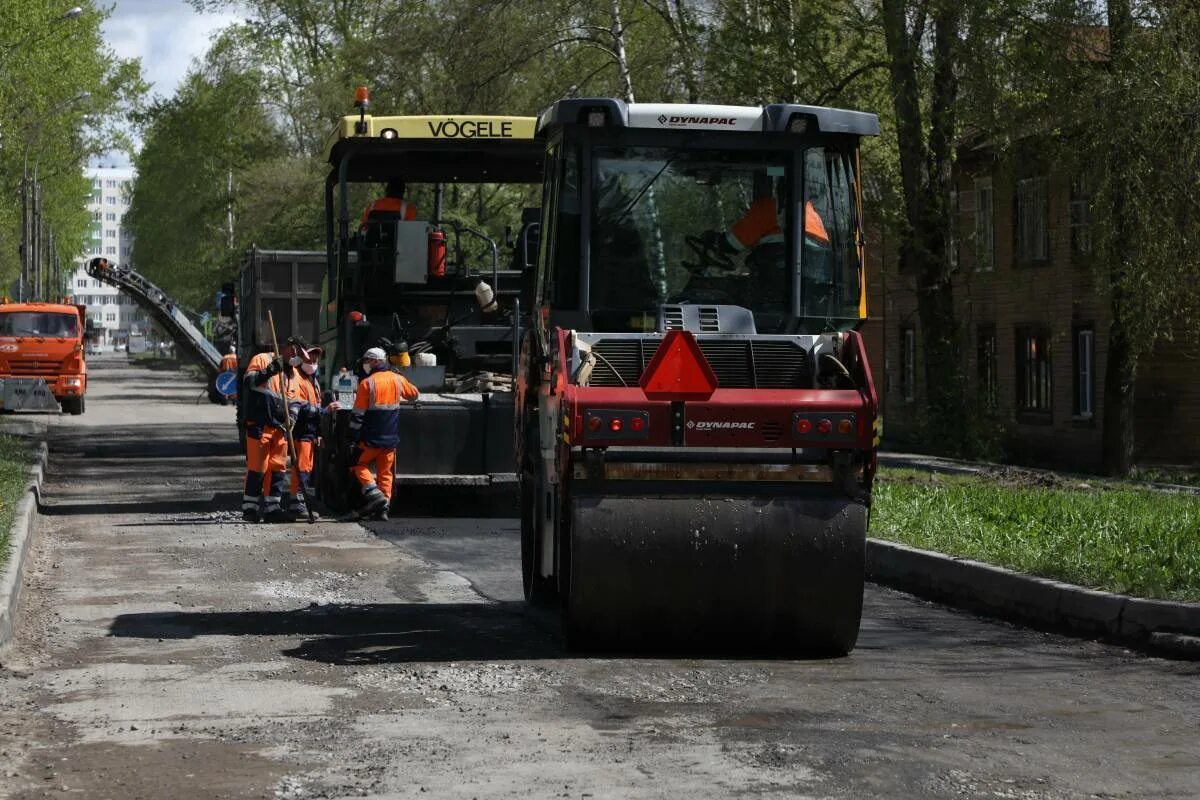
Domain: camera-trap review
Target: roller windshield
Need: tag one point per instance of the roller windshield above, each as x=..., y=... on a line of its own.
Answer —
x=28, y=323
x=696, y=226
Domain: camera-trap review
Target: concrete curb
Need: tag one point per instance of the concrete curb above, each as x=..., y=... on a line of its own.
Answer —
x=20, y=543
x=1038, y=602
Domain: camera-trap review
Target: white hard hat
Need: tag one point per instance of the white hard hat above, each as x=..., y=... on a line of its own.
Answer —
x=375, y=354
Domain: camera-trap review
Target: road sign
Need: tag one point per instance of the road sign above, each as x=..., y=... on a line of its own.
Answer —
x=226, y=383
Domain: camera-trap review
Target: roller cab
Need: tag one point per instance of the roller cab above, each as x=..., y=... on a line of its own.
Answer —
x=696, y=421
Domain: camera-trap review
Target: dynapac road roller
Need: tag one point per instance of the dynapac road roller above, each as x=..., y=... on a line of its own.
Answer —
x=696, y=419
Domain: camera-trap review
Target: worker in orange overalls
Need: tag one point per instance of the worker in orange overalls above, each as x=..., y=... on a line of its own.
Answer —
x=375, y=427
x=392, y=202
x=760, y=225
x=229, y=361
x=266, y=441
x=304, y=406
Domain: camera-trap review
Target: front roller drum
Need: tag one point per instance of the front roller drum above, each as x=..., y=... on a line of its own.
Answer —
x=777, y=572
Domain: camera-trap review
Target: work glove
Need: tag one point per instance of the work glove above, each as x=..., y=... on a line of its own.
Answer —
x=407, y=390
x=274, y=367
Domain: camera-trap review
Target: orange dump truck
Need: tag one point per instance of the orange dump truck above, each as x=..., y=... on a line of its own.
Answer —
x=42, y=342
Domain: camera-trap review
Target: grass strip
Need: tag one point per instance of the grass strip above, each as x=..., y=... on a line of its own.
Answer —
x=16, y=454
x=1132, y=541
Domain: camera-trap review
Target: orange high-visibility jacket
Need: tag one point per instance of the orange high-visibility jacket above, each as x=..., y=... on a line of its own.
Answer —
x=304, y=404
x=760, y=225
x=377, y=408
x=389, y=205
x=229, y=363
x=264, y=397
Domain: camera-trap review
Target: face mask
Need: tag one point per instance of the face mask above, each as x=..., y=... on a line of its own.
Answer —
x=295, y=361
x=309, y=369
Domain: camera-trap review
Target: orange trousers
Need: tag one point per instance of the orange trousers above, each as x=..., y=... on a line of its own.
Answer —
x=268, y=454
x=305, y=452
x=384, y=460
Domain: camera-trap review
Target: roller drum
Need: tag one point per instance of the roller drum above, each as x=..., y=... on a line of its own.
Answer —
x=780, y=571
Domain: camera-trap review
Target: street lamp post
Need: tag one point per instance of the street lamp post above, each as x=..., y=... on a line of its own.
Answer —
x=31, y=199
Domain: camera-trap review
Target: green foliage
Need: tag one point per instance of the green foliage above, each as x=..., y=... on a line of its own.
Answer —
x=47, y=62
x=15, y=458
x=1126, y=540
x=213, y=175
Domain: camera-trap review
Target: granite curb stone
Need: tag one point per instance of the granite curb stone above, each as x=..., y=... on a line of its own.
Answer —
x=20, y=543
x=1039, y=602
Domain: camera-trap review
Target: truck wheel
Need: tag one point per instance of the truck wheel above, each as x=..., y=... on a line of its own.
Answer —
x=539, y=590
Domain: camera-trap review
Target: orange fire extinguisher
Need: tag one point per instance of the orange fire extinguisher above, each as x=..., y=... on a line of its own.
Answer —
x=437, y=254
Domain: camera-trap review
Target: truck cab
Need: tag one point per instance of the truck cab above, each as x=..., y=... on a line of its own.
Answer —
x=45, y=342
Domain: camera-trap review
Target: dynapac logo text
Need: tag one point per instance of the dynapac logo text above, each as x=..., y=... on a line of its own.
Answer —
x=684, y=120
x=714, y=425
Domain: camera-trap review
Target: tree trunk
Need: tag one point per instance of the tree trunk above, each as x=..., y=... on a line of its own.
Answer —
x=1117, y=441
x=618, y=36
x=925, y=170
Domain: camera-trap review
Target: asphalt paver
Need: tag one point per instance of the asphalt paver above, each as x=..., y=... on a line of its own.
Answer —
x=166, y=649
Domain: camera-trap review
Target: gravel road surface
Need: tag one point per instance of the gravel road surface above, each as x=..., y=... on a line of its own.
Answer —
x=167, y=650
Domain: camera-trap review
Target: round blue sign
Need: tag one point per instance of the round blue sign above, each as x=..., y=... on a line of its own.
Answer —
x=226, y=383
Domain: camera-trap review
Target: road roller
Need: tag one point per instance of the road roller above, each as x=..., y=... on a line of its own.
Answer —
x=696, y=422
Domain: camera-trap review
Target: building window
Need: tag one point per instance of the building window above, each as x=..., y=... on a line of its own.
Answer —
x=1033, y=370
x=985, y=230
x=81, y=283
x=986, y=357
x=111, y=216
x=95, y=283
x=110, y=251
x=96, y=183
x=111, y=184
x=110, y=200
x=110, y=317
x=908, y=364
x=1032, y=220
x=1081, y=218
x=110, y=233
x=1085, y=373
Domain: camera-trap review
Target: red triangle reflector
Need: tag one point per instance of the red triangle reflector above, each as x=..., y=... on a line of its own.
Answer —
x=679, y=370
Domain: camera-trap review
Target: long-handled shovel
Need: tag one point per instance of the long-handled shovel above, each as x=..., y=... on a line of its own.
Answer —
x=287, y=429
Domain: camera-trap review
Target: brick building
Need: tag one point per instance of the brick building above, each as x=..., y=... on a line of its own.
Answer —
x=1035, y=327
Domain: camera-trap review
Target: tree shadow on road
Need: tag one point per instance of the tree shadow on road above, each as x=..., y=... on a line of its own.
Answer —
x=377, y=633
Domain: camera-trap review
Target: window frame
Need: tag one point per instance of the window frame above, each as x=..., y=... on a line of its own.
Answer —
x=1020, y=257
x=1083, y=372
x=1034, y=379
x=985, y=225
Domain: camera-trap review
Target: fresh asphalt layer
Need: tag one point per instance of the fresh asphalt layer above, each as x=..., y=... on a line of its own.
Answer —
x=166, y=649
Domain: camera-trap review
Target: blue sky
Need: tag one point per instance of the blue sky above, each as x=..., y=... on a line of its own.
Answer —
x=166, y=35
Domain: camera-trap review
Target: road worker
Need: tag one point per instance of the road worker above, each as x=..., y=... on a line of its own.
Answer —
x=229, y=361
x=391, y=204
x=375, y=428
x=761, y=224
x=304, y=405
x=266, y=441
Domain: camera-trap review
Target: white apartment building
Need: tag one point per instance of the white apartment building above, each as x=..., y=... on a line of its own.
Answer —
x=110, y=310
